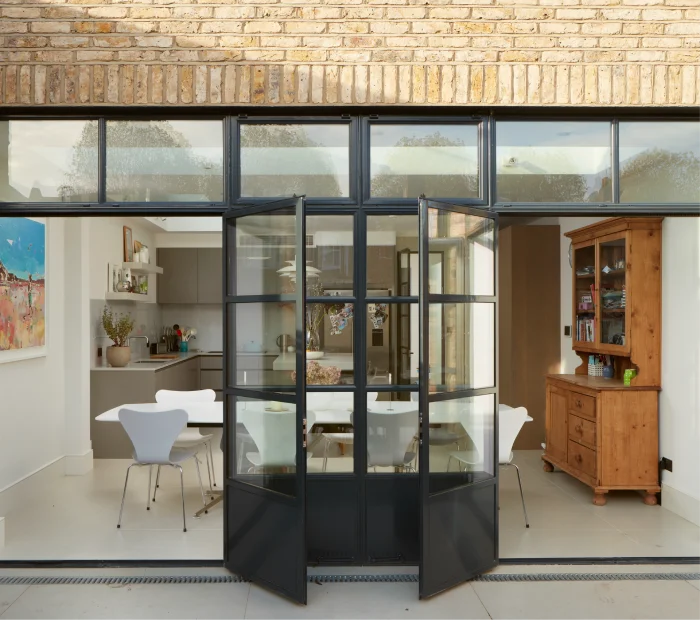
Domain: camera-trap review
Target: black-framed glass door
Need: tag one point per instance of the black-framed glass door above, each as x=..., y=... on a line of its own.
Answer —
x=458, y=395
x=265, y=401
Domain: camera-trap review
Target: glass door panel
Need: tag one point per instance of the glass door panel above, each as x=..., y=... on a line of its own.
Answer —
x=265, y=396
x=585, y=294
x=612, y=267
x=458, y=396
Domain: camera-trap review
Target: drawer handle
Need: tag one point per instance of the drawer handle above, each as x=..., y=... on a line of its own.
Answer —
x=579, y=404
x=578, y=458
x=578, y=429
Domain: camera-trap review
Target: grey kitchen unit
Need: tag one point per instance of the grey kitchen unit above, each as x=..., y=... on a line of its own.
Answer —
x=138, y=383
x=190, y=275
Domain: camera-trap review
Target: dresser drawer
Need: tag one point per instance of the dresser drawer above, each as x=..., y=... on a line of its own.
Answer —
x=582, y=430
x=582, y=458
x=580, y=404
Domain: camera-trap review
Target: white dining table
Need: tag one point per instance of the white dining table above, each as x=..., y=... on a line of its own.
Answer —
x=198, y=414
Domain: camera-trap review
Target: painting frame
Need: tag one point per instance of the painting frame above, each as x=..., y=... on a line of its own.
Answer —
x=128, y=245
x=38, y=351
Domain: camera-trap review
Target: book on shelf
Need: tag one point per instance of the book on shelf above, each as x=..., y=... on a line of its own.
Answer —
x=585, y=330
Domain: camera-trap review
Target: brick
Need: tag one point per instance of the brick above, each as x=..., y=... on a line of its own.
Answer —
x=355, y=56
x=447, y=84
x=519, y=56
x=576, y=84
x=576, y=42
x=179, y=56
x=136, y=27
x=393, y=27
x=27, y=41
x=260, y=27
x=405, y=83
x=348, y=28
x=476, y=56
x=361, y=77
x=560, y=28
x=605, y=85
x=107, y=12
x=141, y=84
x=13, y=27
x=505, y=84
x=562, y=56
x=562, y=86
x=432, y=27
x=548, y=84
x=471, y=28
x=230, y=85
x=646, y=82
x=71, y=78
x=683, y=28
x=538, y=14
x=11, y=89
x=39, y=85
x=406, y=13
x=688, y=85
x=462, y=84
x=322, y=12
x=331, y=86
x=576, y=14
x=660, y=84
x=603, y=56
x=619, y=42
x=186, y=84
x=457, y=13
x=192, y=12
x=149, y=12
x=234, y=41
x=536, y=42
x=419, y=86
x=644, y=56
x=621, y=14
x=285, y=42
x=307, y=55
x=154, y=42
x=315, y=27
x=659, y=15
x=98, y=84
x=21, y=13
x=363, y=12
x=94, y=55
x=433, y=57
x=53, y=56
x=619, y=79
x=198, y=42
x=683, y=56
x=112, y=83
x=264, y=55
x=201, y=81
x=346, y=84
x=674, y=85
x=639, y=28
x=662, y=42
x=127, y=84
x=519, y=84
x=244, y=84
x=492, y=14
x=219, y=55
x=186, y=27
x=601, y=28
x=322, y=42
x=375, y=83
x=533, y=84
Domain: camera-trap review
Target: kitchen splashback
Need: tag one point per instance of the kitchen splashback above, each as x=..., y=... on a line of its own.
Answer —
x=206, y=318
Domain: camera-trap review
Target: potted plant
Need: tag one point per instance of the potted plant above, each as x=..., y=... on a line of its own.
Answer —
x=117, y=328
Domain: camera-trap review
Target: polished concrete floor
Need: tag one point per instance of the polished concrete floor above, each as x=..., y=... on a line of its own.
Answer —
x=75, y=518
x=546, y=599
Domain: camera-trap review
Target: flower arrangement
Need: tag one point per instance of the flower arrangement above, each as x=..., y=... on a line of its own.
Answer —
x=117, y=327
x=320, y=375
x=186, y=333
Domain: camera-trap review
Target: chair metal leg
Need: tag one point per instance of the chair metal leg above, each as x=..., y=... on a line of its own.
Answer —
x=449, y=462
x=522, y=497
x=150, y=474
x=206, y=458
x=201, y=486
x=126, y=481
x=155, y=488
x=182, y=490
x=325, y=455
x=213, y=469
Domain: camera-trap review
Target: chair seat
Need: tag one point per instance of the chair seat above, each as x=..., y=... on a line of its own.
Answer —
x=444, y=437
x=178, y=455
x=190, y=437
x=468, y=457
x=408, y=457
x=344, y=438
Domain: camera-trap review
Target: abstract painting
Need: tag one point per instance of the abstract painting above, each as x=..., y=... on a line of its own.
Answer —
x=22, y=288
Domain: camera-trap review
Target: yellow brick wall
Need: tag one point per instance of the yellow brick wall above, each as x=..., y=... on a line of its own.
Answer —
x=374, y=52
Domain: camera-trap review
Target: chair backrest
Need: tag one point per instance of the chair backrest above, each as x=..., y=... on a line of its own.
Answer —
x=274, y=434
x=193, y=396
x=153, y=433
x=510, y=421
x=319, y=400
x=389, y=436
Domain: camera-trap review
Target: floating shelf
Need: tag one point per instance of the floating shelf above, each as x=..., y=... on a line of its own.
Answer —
x=142, y=268
x=144, y=299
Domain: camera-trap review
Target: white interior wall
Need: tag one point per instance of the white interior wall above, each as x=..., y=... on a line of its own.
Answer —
x=679, y=400
x=33, y=391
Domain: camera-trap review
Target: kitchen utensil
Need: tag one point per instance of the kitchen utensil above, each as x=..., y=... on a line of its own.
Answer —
x=284, y=341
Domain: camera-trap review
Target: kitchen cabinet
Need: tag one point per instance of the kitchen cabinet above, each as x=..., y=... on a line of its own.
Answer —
x=211, y=375
x=209, y=276
x=190, y=276
x=178, y=283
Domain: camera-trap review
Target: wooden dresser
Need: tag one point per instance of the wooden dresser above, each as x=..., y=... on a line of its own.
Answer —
x=599, y=430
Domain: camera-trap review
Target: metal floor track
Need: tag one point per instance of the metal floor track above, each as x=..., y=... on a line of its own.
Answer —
x=321, y=579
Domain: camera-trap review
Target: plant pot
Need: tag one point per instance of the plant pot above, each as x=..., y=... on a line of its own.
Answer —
x=118, y=357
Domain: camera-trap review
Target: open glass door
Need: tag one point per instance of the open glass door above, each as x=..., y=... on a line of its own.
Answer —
x=458, y=396
x=265, y=426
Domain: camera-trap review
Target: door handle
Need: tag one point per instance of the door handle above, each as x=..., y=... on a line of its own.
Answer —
x=303, y=433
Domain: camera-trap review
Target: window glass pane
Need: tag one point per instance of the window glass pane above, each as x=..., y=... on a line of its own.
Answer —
x=281, y=160
x=553, y=161
x=436, y=160
x=259, y=330
x=461, y=342
x=392, y=255
x=462, y=258
x=660, y=162
x=392, y=432
x=329, y=343
x=48, y=161
x=330, y=250
x=165, y=161
x=461, y=438
x=392, y=342
x=331, y=436
x=264, y=436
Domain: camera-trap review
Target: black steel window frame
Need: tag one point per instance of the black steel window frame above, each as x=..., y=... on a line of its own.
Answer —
x=359, y=122
x=352, y=123
x=479, y=121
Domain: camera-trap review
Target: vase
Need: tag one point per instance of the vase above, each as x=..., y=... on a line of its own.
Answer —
x=184, y=346
x=118, y=357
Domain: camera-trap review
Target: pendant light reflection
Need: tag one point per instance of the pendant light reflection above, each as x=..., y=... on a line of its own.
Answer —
x=291, y=270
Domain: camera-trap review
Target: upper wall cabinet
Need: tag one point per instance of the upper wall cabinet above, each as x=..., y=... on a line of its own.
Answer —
x=191, y=276
x=616, y=267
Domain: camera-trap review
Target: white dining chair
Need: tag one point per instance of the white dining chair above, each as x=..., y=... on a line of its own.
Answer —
x=389, y=437
x=510, y=423
x=153, y=435
x=274, y=434
x=343, y=400
x=191, y=437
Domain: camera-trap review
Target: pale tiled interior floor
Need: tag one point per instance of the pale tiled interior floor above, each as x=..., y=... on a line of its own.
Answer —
x=75, y=518
x=584, y=599
x=565, y=523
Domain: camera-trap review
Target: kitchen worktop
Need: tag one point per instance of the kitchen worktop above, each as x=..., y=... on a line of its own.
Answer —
x=100, y=363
